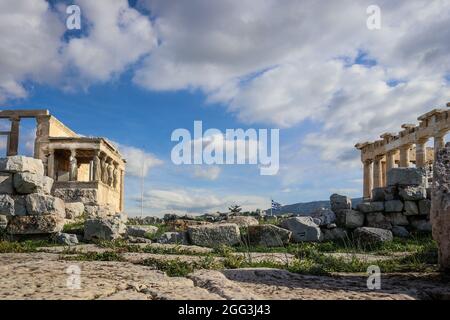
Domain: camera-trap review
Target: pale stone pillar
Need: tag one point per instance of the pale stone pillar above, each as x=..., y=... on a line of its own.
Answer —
x=404, y=157
x=104, y=166
x=377, y=173
x=116, y=176
x=368, y=179
x=73, y=171
x=122, y=189
x=110, y=180
x=51, y=164
x=390, y=160
x=439, y=143
x=96, y=167
x=383, y=171
x=13, y=141
x=421, y=154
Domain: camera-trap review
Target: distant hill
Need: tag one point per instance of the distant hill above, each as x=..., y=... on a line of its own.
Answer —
x=306, y=208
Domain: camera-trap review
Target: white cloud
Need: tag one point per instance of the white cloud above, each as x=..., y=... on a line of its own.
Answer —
x=207, y=172
x=139, y=162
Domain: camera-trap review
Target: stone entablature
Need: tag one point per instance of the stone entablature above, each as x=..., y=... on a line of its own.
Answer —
x=90, y=163
x=403, y=148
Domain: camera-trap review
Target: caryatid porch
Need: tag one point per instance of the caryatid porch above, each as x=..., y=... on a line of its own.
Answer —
x=403, y=149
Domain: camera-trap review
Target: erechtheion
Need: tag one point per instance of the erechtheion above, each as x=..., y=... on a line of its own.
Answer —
x=82, y=167
x=404, y=148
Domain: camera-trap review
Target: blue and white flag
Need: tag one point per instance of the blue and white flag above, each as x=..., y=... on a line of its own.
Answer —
x=276, y=205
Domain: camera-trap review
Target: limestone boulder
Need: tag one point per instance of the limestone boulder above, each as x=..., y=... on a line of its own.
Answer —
x=411, y=208
x=303, y=229
x=367, y=207
x=268, y=235
x=367, y=235
x=424, y=207
x=6, y=183
x=109, y=228
x=339, y=203
x=6, y=205
x=350, y=219
x=27, y=182
x=325, y=216
x=66, y=239
x=74, y=210
x=173, y=238
x=421, y=225
x=407, y=177
x=86, y=195
x=141, y=231
x=20, y=205
x=214, y=235
x=413, y=193
x=16, y=164
x=242, y=221
x=35, y=224
x=400, y=232
x=393, y=206
x=377, y=220
x=397, y=219
x=40, y=204
x=3, y=221
x=99, y=211
x=378, y=194
x=334, y=234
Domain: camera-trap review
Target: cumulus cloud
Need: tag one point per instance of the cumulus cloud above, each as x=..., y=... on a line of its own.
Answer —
x=139, y=162
x=207, y=172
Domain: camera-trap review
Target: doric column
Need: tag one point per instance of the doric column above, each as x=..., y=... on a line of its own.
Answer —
x=51, y=164
x=13, y=141
x=96, y=167
x=390, y=159
x=377, y=173
x=73, y=173
x=421, y=153
x=404, y=156
x=368, y=179
x=383, y=171
x=439, y=143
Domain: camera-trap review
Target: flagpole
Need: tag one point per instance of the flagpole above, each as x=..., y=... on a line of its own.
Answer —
x=271, y=207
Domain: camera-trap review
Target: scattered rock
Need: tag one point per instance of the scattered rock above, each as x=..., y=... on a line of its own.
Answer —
x=325, y=216
x=334, y=234
x=303, y=229
x=378, y=194
x=109, y=228
x=141, y=231
x=27, y=182
x=20, y=205
x=132, y=239
x=366, y=207
x=40, y=204
x=268, y=235
x=3, y=221
x=367, y=235
x=377, y=220
x=99, y=211
x=6, y=183
x=6, y=205
x=213, y=235
x=14, y=164
x=411, y=208
x=66, y=239
x=407, y=177
x=74, y=210
x=393, y=206
x=36, y=224
x=242, y=221
x=397, y=219
x=401, y=232
x=421, y=225
x=413, y=193
x=173, y=238
x=425, y=207
x=350, y=219
x=339, y=203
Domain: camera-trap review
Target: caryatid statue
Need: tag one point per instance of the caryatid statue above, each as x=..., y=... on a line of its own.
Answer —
x=104, y=169
x=110, y=173
x=73, y=166
x=97, y=166
x=116, y=175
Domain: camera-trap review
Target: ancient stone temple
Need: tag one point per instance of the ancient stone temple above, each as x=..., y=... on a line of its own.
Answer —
x=403, y=149
x=86, y=169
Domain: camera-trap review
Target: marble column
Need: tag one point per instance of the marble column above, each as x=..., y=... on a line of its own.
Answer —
x=390, y=159
x=13, y=141
x=404, y=156
x=421, y=153
x=368, y=179
x=439, y=143
x=51, y=163
x=377, y=173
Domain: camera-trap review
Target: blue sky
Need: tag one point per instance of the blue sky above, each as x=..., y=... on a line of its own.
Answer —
x=138, y=70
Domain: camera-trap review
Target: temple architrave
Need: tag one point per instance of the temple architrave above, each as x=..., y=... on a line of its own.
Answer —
x=404, y=149
x=88, y=169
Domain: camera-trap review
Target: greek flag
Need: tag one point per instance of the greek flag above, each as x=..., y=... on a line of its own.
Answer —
x=276, y=205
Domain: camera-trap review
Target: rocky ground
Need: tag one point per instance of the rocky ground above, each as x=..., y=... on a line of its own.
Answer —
x=46, y=274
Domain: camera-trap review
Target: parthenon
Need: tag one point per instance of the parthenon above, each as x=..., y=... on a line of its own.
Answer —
x=404, y=148
x=82, y=167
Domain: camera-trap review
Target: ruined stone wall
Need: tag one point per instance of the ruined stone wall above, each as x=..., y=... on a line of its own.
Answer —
x=440, y=206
